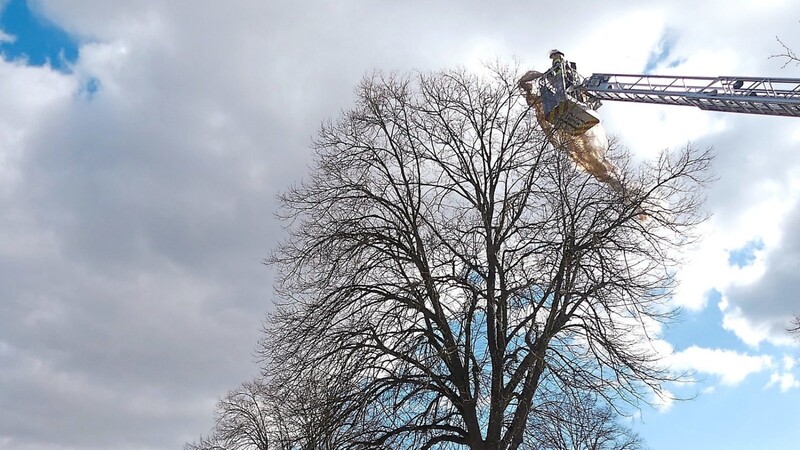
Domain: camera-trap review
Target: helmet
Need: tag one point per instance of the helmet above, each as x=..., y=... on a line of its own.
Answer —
x=555, y=52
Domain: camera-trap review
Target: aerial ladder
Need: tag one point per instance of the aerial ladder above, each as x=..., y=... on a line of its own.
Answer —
x=566, y=104
x=570, y=101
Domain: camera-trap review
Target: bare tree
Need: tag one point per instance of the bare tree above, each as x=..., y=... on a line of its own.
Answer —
x=579, y=421
x=297, y=414
x=446, y=262
x=247, y=419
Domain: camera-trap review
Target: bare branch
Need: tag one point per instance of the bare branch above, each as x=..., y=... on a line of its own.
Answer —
x=788, y=55
x=794, y=327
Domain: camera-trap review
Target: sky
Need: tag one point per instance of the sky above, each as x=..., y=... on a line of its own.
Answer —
x=142, y=145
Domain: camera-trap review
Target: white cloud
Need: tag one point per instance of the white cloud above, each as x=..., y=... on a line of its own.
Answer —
x=762, y=309
x=751, y=334
x=662, y=401
x=753, y=306
x=7, y=38
x=784, y=380
x=730, y=366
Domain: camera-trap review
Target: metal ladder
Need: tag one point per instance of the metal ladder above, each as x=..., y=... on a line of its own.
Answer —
x=751, y=95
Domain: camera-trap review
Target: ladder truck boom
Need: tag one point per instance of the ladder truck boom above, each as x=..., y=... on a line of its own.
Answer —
x=569, y=102
x=752, y=95
x=565, y=105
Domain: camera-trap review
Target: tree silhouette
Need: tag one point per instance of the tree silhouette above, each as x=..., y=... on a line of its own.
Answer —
x=446, y=266
x=578, y=421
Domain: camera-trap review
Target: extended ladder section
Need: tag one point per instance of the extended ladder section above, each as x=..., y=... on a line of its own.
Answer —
x=752, y=95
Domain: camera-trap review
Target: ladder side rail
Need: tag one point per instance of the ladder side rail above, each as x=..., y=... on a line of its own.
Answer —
x=763, y=109
x=654, y=83
x=744, y=108
x=771, y=87
x=693, y=77
x=776, y=86
x=760, y=96
x=729, y=103
x=660, y=96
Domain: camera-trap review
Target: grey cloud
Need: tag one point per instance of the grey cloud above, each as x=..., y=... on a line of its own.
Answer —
x=753, y=154
x=775, y=297
x=757, y=159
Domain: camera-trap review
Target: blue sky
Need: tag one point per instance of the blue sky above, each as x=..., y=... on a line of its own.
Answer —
x=134, y=224
x=740, y=415
x=662, y=55
x=34, y=38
